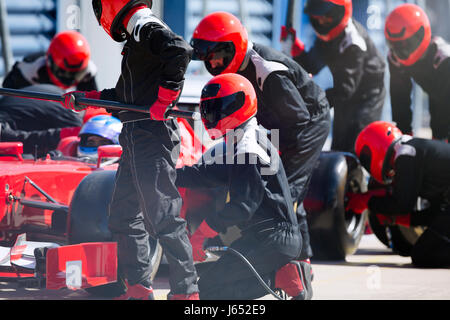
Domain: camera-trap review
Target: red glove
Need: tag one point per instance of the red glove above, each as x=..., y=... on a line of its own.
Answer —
x=69, y=132
x=198, y=238
x=291, y=45
x=70, y=99
x=165, y=98
x=358, y=202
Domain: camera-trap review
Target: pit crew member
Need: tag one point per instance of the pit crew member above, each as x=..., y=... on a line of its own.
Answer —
x=260, y=204
x=145, y=198
x=410, y=168
x=67, y=63
x=357, y=67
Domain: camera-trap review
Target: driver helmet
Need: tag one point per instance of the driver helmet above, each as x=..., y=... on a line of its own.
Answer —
x=98, y=131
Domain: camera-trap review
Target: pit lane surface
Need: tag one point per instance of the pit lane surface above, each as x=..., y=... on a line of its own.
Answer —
x=372, y=273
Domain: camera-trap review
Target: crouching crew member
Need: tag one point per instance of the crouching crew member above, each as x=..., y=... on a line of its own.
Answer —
x=260, y=203
x=412, y=168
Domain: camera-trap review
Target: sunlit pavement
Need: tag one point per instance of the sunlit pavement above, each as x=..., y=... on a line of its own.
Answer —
x=372, y=273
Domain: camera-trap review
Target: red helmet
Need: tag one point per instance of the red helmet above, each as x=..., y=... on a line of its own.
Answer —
x=408, y=33
x=329, y=17
x=220, y=35
x=227, y=101
x=374, y=148
x=111, y=14
x=67, y=58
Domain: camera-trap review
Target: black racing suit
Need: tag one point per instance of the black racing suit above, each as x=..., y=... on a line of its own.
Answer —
x=33, y=70
x=358, y=91
x=296, y=111
x=432, y=74
x=422, y=169
x=145, y=199
x=260, y=206
x=35, y=123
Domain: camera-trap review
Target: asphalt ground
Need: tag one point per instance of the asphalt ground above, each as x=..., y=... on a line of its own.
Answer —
x=372, y=273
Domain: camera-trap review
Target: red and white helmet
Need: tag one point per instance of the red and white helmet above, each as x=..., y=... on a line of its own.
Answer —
x=112, y=13
x=329, y=17
x=408, y=33
x=374, y=148
x=227, y=101
x=220, y=35
x=67, y=58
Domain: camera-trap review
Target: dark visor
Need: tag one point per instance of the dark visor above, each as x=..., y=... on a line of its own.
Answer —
x=214, y=110
x=334, y=15
x=207, y=50
x=66, y=77
x=404, y=48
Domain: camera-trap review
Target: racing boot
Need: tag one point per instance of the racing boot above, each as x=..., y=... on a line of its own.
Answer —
x=137, y=292
x=192, y=296
x=295, y=279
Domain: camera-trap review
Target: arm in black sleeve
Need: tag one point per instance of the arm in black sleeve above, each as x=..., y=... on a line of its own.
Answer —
x=174, y=52
x=400, y=91
x=405, y=190
x=311, y=61
x=347, y=75
x=246, y=189
x=15, y=80
x=202, y=176
x=34, y=142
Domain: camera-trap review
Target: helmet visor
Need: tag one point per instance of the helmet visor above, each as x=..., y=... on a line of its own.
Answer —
x=93, y=141
x=221, y=52
x=216, y=109
x=66, y=77
x=404, y=48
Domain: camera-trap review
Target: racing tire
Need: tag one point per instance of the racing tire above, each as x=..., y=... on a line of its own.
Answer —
x=88, y=222
x=334, y=233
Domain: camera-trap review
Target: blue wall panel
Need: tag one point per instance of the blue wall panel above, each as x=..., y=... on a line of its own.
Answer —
x=32, y=25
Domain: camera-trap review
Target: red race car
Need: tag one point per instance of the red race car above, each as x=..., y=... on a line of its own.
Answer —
x=35, y=214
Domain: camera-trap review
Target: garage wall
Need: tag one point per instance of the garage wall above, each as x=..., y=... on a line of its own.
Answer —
x=32, y=24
